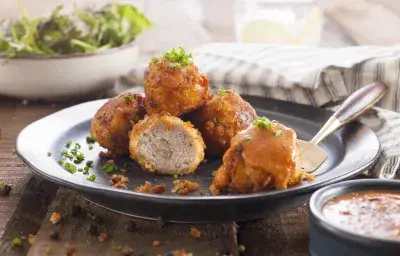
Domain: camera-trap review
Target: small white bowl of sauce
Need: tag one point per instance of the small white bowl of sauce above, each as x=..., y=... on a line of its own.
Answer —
x=359, y=217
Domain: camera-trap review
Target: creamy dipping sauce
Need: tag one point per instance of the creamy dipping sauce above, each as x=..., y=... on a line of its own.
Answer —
x=371, y=213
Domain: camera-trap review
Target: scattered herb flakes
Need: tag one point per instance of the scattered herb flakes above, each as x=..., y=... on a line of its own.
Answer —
x=49, y=154
x=102, y=237
x=55, y=218
x=88, y=242
x=60, y=162
x=90, y=147
x=215, y=121
x=109, y=167
x=85, y=170
x=70, y=167
x=154, y=59
x=80, y=170
x=128, y=97
x=31, y=239
x=90, y=139
x=117, y=248
x=156, y=243
x=223, y=91
x=74, y=151
x=278, y=133
x=194, y=232
x=202, y=192
x=214, y=173
x=89, y=163
x=65, y=154
x=5, y=189
x=79, y=158
x=16, y=242
x=91, y=178
x=69, y=143
x=49, y=251
x=175, y=176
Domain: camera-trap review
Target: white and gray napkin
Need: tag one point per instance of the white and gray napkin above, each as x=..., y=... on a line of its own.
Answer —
x=321, y=77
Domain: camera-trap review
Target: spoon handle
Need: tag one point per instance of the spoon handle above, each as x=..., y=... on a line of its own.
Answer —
x=354, y=106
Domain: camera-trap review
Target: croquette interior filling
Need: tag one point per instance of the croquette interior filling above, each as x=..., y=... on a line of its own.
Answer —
x=169, y=151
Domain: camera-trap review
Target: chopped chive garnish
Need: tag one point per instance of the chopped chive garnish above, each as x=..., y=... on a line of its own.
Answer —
x=85, y=170
x=128, y=98
x=223, y=91
x=117, y=248
x=215, y=121
x=176, y=58
x=263, y=122
x=89, y=163
x=68, y=144
x=175, y=176
x=90, y=139
x=70, y=167
x=154, y=59
x=16, y=242
x=80, y=170
x=77, y=145
x=202, y=192
x=90, y=147
x=49, y=251
x=60, y=162
x=79, y=158
x=213, y=173
x=278, y=133
x=1, y=184
x=74, y=151
x=48, y=154
x=91, y=178
x=109, y=167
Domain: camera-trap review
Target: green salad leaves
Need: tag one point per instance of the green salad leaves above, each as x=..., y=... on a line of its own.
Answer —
x=83, y=31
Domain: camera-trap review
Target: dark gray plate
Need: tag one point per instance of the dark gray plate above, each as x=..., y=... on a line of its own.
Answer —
x=351, y=150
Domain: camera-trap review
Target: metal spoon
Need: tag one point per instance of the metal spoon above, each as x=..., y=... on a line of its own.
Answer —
x=355, y=105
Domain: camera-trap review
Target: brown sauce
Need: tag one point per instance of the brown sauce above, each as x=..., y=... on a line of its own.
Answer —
x=371, y=213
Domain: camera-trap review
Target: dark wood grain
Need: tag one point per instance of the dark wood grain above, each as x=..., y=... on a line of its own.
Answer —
x=284, y=234
x=172, y=236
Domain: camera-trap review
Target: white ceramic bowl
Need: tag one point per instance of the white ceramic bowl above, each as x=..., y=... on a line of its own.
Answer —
x=66, y=75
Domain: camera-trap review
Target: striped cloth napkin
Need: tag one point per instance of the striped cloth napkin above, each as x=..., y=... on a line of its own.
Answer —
x=321, y=77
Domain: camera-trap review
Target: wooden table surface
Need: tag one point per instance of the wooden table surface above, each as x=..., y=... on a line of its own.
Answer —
x=26, y=211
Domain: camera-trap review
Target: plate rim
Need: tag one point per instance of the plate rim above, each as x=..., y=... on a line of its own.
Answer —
x=90, y=187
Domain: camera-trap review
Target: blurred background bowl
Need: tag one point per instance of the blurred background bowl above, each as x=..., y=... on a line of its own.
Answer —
x=65, y=75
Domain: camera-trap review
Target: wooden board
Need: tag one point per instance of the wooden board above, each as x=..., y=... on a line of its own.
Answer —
x=172, y=236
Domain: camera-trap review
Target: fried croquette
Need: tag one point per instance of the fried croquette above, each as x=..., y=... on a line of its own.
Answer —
x=173, y=85
x=166, y=145
x=264, y=156
x=113, y=121
x=220, y=119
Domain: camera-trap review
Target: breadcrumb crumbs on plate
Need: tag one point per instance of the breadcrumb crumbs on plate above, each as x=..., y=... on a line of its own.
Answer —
x=156, y=243
x=118, y=180
x=194, y=232
x=102, y=237
x=183, y=187
x=148, y=188
x=55, y=218
x=181, y=252
x=31, y=239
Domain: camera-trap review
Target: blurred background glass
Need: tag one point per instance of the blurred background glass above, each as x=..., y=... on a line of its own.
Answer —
x=278, y=21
